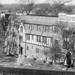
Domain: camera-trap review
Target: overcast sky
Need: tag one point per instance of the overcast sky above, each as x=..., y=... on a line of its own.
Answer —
x=36, y=1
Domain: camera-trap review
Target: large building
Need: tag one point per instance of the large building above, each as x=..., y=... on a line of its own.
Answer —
x=38, y=33
x=67, y=19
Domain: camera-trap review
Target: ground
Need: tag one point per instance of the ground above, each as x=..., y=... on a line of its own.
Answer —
x=8, y=61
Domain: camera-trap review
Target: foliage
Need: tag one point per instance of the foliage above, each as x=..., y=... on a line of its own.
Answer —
x=61, y=8
x=54, y=9
x=42, y=9
x=10, y=10
x=61, y=1
x=28, y=8
x=3, y=25
x=68, y=38
x=56, y=51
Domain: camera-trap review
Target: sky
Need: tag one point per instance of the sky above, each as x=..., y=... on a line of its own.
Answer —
x=36, y=1
x=8, y=1
x=17, y=1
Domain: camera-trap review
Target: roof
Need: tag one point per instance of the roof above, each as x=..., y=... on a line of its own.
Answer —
x=42, y=20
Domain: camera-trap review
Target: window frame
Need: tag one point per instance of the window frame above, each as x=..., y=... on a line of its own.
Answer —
x=44, y=40
x=39, y=38
x=28, y=37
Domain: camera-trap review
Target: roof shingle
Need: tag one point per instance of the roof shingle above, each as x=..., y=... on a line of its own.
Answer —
x=39, y=20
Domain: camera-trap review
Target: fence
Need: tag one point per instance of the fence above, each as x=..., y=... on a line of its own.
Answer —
x=23, y=71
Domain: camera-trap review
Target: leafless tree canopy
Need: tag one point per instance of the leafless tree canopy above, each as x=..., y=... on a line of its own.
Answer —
x=26, y=1
x=60, y=1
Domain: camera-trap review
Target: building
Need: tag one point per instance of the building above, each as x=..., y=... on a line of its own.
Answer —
x=68, y=20
x=38, y=33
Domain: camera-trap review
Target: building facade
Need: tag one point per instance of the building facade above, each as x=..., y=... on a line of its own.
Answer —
x=38, y=34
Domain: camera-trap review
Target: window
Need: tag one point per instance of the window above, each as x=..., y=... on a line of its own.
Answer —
x=21, y=29
x=35, y=27
x=27, y=26
x=30, y=26
x=28, y=36
x=44, y=28
x=54, y=28
x=44, y=40
x=32, y=37
x=56, y=42
x=38, y=38
x=50, y=28
x=57, y=29
x=39, y=28
x=37, y=50
x=47, y=28
x=21, y=38
x=27, y=47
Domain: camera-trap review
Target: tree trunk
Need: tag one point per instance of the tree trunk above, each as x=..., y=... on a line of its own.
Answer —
x=52, y=58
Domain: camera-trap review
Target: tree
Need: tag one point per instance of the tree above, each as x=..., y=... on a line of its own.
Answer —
x=42, y=9
x=3, y=30
x=68, y=9
x=3, y=26
x=11, y=40
x=58, y=6
x=26, y=1
x=55, y=51
x=28, y=8
x=59, y=1
x=27, y=5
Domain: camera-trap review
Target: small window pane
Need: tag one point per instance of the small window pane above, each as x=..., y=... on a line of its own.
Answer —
x=32, y=37
x=50, y=28
x=47, y=28
x=38, y=38
x=44, y=28
x=44, y=40
x=28, y=36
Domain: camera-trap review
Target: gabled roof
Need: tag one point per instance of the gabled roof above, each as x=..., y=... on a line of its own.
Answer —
x=42, y=20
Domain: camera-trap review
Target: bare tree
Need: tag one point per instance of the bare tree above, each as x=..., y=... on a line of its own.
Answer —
x=26, y=1
x=59, y=6
x=59, y=1
x=27, y=5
